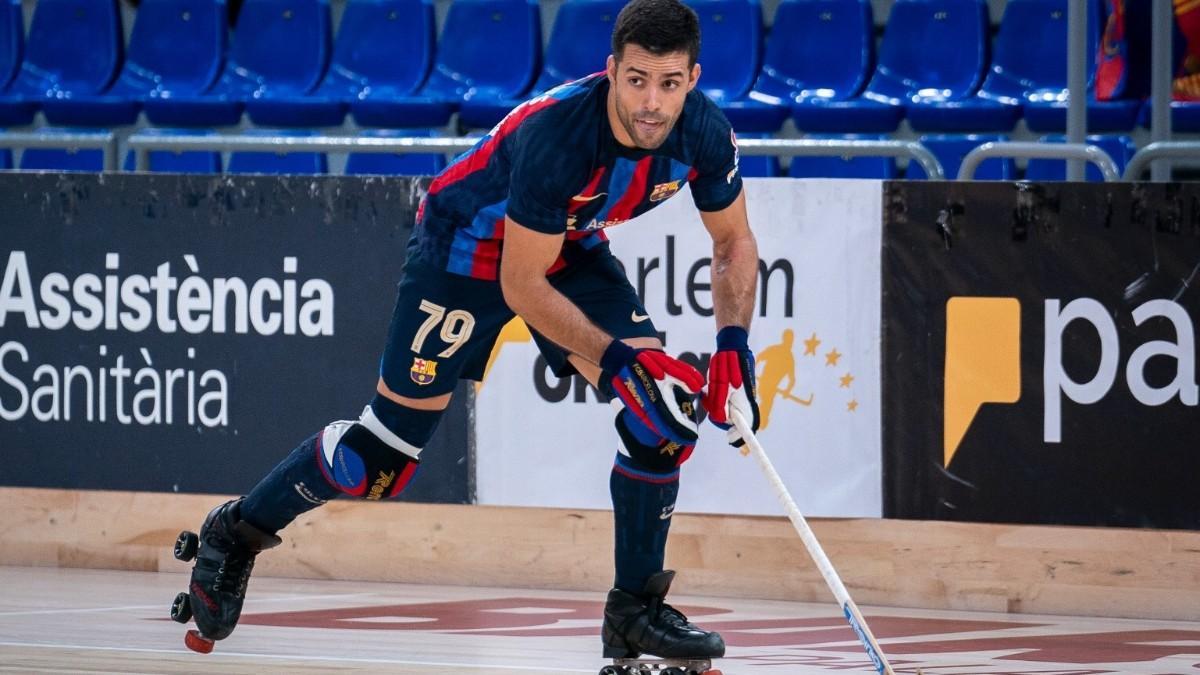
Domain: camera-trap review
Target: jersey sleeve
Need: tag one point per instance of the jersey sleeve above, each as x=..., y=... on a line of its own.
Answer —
x=717, y=181
x=540, y=180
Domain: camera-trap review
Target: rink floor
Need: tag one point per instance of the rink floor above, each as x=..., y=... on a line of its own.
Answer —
x=68, y=620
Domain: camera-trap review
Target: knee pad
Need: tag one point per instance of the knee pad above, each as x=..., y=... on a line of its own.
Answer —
x=365, y=459
x=648, y=450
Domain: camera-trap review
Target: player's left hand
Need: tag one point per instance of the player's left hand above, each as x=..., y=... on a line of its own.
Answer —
x=731, y=384
x=655, y=386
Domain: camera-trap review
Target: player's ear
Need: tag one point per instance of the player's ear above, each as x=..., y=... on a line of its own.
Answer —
x=694, y=77
x=611, y=68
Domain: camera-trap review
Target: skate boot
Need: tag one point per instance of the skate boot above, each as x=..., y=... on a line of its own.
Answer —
x=646, y=624
x=224, y=553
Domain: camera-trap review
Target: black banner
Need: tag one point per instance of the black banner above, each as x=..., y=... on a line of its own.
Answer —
x=1039, y=355
x=184, y=333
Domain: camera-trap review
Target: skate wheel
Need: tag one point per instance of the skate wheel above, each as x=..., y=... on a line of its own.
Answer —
x=181, y=609
x=614, y=670
x=197, y=642
x=712, y=672
x=186, y=546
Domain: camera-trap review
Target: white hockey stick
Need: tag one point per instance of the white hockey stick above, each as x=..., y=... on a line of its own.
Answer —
x=857, y=622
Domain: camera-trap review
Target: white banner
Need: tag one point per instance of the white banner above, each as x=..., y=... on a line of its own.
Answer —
x=542, y=441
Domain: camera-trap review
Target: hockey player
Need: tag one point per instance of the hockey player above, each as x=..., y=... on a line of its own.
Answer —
x=516, y=226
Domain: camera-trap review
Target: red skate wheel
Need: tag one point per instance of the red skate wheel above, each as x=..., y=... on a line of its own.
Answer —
x=197, y=642
x=713, y=672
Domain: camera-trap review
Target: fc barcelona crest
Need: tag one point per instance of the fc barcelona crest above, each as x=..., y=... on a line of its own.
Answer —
x=423, y=370
x=664, y=190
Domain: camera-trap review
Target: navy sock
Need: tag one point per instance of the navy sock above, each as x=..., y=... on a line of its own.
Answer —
x=294, y=486
x=643, y=502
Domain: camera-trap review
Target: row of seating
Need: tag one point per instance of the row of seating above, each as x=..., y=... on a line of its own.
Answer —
x=949, y=150
x=936, y=65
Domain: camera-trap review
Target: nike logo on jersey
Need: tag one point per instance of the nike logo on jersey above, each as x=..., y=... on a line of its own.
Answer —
x=638, y=318
x=588, y=198
x=667, y=512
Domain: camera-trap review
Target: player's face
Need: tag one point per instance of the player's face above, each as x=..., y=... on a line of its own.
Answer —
x=647, y=94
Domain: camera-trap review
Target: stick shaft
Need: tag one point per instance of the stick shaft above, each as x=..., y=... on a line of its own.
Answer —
x=849, y=608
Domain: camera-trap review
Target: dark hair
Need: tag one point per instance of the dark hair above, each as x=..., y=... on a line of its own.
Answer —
x=659, y=26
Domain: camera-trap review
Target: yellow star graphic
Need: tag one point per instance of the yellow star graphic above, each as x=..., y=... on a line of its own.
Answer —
x=846, y=380
x=852, y=405
x=810, y=345
x=832, y=357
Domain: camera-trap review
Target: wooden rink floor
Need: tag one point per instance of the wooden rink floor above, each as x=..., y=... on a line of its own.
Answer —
x=105, y=621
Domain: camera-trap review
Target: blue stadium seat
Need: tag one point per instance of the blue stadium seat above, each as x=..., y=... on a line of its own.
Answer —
x=997, y=105
x=277, y=58
x=386, y=48
x=580, y=41
x=177, y=48
x=950, y=150
x=15, y=109
x=932, y=62
x=579, y=45
x=818, y=52
x=6, y=159
x=1120, y=148
x=495, y=59
x=278, y=163
x=1185, y=116
x=1037, y=61
x=843, y=167
x=281, y=49
x=730, y=52
x=52, y=159
x=66, y=159
x=758, y=166
x=74, y=49
x=169, y=161
x=396, y=164
x=183, y=55
x=12, y=41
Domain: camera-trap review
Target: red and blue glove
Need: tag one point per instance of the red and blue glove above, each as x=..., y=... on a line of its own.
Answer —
x=731, y=384
x=659, y=389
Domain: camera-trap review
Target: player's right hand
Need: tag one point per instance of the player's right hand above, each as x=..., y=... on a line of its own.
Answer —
x=661, y=390
x=731, y=384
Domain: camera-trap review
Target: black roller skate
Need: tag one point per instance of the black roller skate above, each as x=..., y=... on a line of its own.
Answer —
x=645, y=624
x=224, y=553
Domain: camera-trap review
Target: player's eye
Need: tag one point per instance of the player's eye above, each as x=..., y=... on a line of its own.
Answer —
x=635, y=81
x=670, y=84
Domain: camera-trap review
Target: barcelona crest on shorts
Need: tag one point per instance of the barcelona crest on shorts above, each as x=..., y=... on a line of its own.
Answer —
x=423, y=370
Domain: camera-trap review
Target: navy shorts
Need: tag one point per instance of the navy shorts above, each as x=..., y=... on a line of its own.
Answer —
x=445, y=325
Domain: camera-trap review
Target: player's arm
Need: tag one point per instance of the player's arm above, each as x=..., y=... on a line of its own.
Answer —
x=734, y=263
x=731, y=383
x=640, y=378
x=528, y=254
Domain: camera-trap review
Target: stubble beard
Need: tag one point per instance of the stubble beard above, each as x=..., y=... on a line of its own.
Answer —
x=640, y=140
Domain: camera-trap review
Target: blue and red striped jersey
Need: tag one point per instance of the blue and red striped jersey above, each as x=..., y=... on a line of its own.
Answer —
x=553, y=165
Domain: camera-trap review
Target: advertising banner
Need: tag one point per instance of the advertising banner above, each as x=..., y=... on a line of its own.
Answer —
x=1041, y=353
x=549, y=442
x=184, y=333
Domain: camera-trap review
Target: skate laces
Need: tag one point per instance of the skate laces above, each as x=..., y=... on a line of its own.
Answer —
x=666, y=613
x=233, y=575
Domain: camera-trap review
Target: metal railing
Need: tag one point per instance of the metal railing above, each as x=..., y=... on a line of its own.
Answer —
x=1066, y=151
x=105, y=141
x=143, y=144
x=810, y=148
x=1185, y=150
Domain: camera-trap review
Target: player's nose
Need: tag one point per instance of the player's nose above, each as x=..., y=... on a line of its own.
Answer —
x=652, y=102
